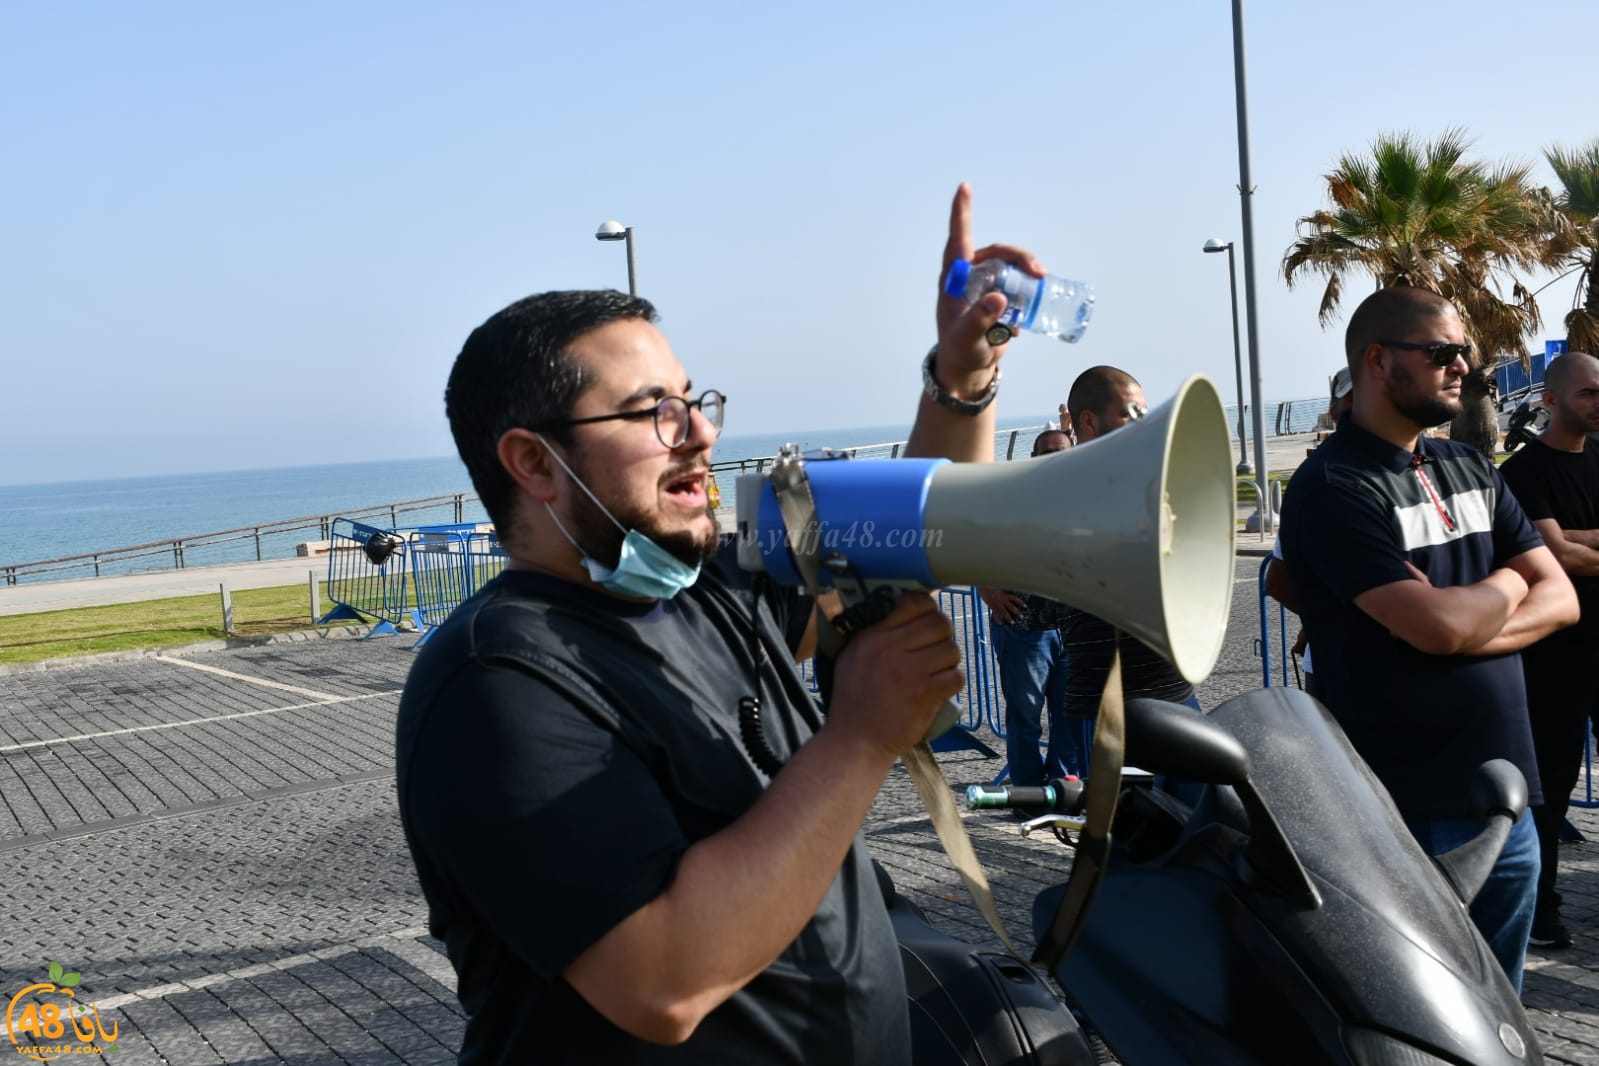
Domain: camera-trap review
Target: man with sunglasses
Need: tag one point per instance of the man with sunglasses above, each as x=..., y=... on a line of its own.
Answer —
x=1420, y=579
x=586, y=748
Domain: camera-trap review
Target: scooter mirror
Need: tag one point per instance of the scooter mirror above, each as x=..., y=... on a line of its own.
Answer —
x=1498, y=788
x=1169, y=738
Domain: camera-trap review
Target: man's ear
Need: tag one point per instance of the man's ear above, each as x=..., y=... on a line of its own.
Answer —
x=526, y=458
x=1376, y=358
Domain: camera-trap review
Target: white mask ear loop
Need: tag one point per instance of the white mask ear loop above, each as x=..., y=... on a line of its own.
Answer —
x=603, y=510
x=569, y=538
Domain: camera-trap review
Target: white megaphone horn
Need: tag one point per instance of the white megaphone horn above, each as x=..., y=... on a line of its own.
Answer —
x=1136, y=527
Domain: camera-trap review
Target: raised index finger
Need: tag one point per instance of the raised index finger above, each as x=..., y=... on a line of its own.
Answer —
x=959, y=244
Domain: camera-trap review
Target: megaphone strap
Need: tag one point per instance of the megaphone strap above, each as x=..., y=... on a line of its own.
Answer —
x=797, y=506
x=1093, y=843
x=939, y=799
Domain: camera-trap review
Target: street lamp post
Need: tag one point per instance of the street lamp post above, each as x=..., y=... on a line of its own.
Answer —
x=1216, y=244
x=614, y=231
x=1264, y=520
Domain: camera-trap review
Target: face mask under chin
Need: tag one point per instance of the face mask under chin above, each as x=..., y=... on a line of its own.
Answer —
x=644, y=570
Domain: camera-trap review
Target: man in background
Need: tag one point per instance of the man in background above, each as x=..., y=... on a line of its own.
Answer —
x=1032, y=672
x=1277, y=586
x=1101, y=401
x=1420, y=579
x=1555, y=477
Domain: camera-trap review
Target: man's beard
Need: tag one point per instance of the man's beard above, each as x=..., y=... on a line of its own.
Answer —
x=1568, y=420
x=1407, y=398
x=600, y=539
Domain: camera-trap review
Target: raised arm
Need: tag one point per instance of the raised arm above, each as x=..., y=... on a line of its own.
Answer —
x=966, y=363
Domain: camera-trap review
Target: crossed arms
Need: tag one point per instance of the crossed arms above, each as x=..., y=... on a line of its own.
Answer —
x=1519, y=604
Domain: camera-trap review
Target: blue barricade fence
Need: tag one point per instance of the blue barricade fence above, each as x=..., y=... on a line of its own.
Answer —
x=1587, y=773
x=440, y=572
x=980, y=703
x=1263, y=644
x=448, y=564
x=969, y=618
x=367, y=576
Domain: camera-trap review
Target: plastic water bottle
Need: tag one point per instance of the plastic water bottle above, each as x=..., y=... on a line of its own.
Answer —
x=1056, y=307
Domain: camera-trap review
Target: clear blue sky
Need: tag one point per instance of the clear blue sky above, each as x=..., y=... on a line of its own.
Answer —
x=239, y=236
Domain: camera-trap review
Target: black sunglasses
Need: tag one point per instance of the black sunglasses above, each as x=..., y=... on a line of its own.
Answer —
x=671, y=417
x=1438, y=354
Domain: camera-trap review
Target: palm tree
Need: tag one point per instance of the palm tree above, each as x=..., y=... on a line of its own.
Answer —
x=1420, y=213
x=1578, y=245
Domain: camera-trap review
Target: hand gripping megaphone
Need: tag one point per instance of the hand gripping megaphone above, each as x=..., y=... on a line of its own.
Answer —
x=1136, y=527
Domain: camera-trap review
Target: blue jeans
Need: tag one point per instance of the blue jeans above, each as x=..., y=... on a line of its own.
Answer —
x=1032, y=676
x=1502, y=911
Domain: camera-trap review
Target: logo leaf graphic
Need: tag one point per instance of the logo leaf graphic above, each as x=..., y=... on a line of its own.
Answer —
x=112, y=1047
x=70, y=980
x=55, y=971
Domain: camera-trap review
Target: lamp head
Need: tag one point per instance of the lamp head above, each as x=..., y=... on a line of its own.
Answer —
x=1216, y=244
x=611, y=230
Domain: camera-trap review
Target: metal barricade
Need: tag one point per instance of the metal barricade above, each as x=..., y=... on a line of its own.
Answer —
x=980, y=701
x=440, y=572
x=1587, y=771
x=367, y=576
x=1263, y=645
x=485, y=558
x=448, y=564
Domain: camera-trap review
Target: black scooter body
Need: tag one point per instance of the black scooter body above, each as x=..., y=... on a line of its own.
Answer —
x=977, y=1008
x=1204, y=950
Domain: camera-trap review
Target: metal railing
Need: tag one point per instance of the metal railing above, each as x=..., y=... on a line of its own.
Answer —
x=1008, y=444
x=180, y=549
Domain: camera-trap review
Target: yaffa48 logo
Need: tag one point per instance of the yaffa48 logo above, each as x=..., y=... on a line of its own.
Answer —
x=45, y=1021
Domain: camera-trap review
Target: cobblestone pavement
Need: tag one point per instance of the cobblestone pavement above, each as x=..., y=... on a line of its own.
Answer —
x=210, y=838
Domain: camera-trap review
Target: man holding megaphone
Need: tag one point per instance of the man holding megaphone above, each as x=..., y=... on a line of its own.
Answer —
x=608, y=863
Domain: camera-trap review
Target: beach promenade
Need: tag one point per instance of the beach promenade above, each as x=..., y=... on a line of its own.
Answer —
x=209, y=836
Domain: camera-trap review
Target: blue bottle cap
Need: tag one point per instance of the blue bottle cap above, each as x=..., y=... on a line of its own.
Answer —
x=959, y=271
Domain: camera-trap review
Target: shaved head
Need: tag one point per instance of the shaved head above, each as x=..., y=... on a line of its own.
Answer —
x=1563, y=371
x=1390, y=314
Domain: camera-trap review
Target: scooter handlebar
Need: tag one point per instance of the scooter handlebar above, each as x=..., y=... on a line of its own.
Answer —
x=1060, y=796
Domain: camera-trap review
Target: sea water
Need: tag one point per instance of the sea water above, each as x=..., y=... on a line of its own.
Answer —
x=50, y=521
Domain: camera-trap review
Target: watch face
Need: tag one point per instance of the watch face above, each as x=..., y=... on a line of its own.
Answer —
x=999, y=334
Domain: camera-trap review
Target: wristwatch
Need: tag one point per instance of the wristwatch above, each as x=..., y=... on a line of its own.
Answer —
x=935, y=392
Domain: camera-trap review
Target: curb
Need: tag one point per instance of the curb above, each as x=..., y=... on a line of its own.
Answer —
x=298, y=636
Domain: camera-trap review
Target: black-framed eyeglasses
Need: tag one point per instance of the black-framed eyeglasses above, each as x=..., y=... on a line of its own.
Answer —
x=1437, y=354
x=671, y=415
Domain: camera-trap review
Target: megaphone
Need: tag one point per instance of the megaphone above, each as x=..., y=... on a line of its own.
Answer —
x=1136, y=527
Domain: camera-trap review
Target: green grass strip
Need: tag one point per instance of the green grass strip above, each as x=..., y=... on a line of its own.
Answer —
x=153, y=623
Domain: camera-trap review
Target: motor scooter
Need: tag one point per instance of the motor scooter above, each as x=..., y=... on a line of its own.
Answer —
x=1286, y=915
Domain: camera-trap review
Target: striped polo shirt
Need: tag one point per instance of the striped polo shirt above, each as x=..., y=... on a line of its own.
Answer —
x=1355, y=512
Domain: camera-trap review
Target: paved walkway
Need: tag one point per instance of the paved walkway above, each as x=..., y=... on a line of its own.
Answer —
x=210, y=839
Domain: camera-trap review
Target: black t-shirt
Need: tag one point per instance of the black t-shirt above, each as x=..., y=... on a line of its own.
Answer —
x=1550, y=483
x=558, y=751
x=1089, y=642
x=1355, y=512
